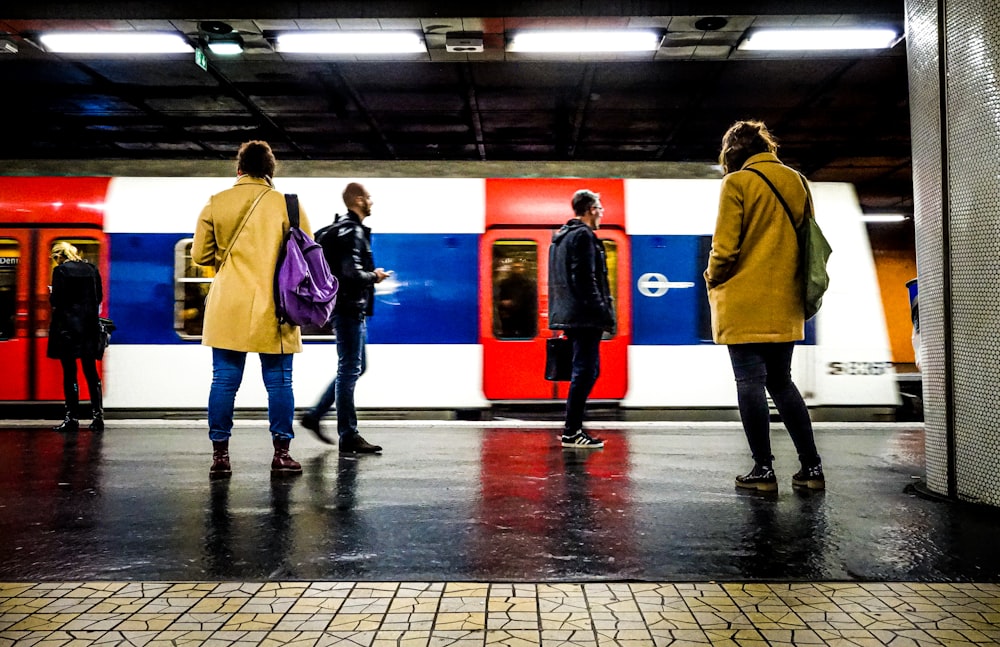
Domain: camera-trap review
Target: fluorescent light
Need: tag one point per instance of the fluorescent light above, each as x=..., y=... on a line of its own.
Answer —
x=117, y=42
x=225, y=47
x=351, y=42
x=585, y=41
x=883, y=217
x=817, y=39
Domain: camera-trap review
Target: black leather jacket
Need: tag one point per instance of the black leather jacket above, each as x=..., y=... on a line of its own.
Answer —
x=579, y=294
x=347, y=248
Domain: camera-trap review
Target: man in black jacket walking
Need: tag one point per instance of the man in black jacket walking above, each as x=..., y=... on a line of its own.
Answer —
x=580, y=304
x=347, y=248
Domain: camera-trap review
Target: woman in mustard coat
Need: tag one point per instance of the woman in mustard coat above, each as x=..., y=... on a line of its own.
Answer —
x=239, y=310
x=755, y=295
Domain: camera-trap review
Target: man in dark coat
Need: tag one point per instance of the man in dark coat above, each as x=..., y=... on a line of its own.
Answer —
x=580, y=304
x=347, y=248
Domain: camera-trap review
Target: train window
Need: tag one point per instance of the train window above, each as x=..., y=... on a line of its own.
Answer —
x=611, y=255
x=191, y=284
x=515, y=289
x=10, y=257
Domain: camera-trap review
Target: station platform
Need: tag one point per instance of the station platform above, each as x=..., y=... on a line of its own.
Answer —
x=481, y=533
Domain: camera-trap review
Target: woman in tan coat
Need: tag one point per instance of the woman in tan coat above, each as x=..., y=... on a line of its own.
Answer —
x=239, y=310
x=755, y=294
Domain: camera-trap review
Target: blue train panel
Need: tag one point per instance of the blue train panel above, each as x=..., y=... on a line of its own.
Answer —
x=669, y=305
x=433, y=294
x=141, y=288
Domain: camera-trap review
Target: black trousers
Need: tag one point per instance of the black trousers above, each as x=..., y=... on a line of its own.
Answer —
x=769, y=366
x=71, y=389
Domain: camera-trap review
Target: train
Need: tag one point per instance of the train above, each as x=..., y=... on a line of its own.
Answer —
x=444, y=335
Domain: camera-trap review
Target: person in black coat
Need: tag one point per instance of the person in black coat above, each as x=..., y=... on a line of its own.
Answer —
x=581, y=305
x=74, y=332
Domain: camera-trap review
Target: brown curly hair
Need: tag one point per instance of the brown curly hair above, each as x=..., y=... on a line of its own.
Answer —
x=256, y=159
x=743, y=140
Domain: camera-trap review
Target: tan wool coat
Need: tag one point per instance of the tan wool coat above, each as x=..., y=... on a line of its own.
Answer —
x=239, y=309
x=753, y=276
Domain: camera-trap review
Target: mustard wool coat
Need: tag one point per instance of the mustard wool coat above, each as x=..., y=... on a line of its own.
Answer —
x=239, y=309
x=753, y=276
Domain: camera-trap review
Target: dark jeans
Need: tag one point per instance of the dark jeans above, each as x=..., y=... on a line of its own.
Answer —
x=71, y=388
x=227, y=375
x=586, y=368
x=352, y=335
x=760, y=366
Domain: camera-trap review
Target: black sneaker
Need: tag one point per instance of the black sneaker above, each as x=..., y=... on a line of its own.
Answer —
x=357, y=445
x=311, y=423
x=760, y=478
x=810, y=478
x=581, y=439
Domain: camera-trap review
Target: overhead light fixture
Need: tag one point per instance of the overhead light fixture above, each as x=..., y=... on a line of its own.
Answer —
x=117, y=42
x=585, y=41
x=226, y=45
x=820, y=39
x=221, y=38
x=883, y=217
x=350, y=42
x=7, y=46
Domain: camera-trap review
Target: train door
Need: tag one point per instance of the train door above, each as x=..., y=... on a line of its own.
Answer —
x=522, y=215
x=25, y=276
x=515, y=317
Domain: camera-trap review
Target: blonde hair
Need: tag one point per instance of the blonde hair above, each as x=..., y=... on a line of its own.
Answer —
x=63, y=251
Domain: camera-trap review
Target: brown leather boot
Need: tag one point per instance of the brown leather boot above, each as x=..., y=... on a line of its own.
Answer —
x=282, y=463
x=220, y=460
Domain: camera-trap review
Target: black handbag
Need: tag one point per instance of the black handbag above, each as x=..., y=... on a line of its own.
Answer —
x=558, y=359
x=104, y=327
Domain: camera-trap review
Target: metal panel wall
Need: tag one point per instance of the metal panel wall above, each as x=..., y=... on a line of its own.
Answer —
x=957, y=192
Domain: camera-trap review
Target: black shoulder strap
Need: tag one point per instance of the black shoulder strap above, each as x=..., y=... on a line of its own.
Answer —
x=780, y=197
x=292, y=205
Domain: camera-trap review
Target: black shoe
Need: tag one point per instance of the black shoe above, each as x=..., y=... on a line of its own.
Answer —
x=97, y=424
x=810, y=478
x=311, y=423
x=760, y=478
x=68, y=425
x=357, y=445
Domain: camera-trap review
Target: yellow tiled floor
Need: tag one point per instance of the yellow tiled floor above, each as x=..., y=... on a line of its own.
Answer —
x=418, y=614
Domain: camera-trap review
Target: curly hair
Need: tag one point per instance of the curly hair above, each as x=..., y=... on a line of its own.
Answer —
x=743, y=140
x=256, y=159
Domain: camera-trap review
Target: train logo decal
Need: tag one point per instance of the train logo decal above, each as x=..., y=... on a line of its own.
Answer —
x=654, y=284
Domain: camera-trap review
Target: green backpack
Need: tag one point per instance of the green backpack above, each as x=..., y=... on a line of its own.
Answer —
x=814, y=250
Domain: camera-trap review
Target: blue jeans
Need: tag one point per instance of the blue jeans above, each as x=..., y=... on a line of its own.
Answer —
x=227, y=375
x=352, y=335
x=769, y=365
x=586, y=368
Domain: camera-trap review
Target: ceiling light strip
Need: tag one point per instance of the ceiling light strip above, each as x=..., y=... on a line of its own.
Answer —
x=132, y=42
x=819, y=39
x=585, y=41
x=345, y=42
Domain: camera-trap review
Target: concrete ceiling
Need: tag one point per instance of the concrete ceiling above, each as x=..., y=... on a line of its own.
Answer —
x=842, y=117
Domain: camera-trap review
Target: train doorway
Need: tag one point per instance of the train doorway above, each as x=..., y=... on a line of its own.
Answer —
x=522, y=215
x=25, y=313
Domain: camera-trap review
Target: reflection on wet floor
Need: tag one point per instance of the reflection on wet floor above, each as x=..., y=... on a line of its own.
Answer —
x=477, y=502
x=477, y=534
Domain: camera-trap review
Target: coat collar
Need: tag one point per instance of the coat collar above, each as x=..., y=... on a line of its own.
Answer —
x=761, y=157
x=249, y=179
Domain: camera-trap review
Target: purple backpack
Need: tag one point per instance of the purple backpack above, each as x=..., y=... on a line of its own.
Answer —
x=304, y=289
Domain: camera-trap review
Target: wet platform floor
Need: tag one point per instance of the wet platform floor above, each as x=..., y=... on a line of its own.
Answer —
x=123, y=531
